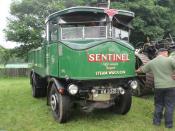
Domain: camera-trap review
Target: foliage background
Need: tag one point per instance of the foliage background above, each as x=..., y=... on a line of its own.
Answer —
x=154, y=19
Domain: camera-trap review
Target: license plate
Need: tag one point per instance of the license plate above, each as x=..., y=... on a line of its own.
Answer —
x=109, y=91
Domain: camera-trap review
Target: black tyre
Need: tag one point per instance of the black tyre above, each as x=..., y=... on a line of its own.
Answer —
x=37, y=89
x=60, y=105
x=123, y=103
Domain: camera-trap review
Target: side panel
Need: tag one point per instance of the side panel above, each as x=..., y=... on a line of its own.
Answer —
x=37, y=59
x=89, y=64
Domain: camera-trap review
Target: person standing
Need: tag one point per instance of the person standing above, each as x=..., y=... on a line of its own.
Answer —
x=162, y=68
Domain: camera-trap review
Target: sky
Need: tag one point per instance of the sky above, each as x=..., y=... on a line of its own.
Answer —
x=4, y=13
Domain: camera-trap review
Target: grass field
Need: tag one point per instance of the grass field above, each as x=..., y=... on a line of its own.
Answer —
x=20, y=112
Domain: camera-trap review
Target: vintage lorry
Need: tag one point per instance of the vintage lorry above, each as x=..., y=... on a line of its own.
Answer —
x=86, y=59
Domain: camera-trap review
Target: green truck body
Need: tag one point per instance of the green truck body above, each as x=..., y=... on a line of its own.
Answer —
x=61, y=60
x=87, y=57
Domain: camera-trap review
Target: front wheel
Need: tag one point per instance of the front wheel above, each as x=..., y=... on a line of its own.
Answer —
x=60, y=105
x=123, y=103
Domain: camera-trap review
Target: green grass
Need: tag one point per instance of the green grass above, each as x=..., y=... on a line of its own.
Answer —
x=20, y=112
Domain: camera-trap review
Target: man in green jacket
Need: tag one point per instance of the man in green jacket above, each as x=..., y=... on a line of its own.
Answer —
x=162, y=68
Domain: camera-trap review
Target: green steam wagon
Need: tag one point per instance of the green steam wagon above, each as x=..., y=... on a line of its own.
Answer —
x=86, y=59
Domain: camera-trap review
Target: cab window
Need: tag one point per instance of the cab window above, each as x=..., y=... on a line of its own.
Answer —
x=53, y=30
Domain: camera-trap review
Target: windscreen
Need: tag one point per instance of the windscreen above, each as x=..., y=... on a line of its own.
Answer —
x=83, y=25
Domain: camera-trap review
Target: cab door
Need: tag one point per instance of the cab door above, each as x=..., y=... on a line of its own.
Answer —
x=52, y=49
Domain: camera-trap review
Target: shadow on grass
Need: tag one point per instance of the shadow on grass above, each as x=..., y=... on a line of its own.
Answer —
x=97, y=114
x=77, y=113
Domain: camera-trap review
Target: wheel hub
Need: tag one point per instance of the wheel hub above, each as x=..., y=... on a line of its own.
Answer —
x=53, y=102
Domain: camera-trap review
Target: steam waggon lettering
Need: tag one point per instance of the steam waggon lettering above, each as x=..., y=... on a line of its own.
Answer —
x=101, y=73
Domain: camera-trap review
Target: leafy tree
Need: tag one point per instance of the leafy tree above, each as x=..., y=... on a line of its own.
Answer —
x=154, y=19
x=5, y=55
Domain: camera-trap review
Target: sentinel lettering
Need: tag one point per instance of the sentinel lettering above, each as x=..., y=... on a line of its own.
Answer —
x=108, y=58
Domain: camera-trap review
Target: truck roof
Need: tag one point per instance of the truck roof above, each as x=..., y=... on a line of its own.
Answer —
x=88, y=9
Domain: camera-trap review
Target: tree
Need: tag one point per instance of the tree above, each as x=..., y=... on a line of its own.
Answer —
x=26, y=25
x=5, y=55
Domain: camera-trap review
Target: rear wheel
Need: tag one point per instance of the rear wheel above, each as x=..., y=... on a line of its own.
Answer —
x=38, y=90
x=60, y=105
x=123, y=103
